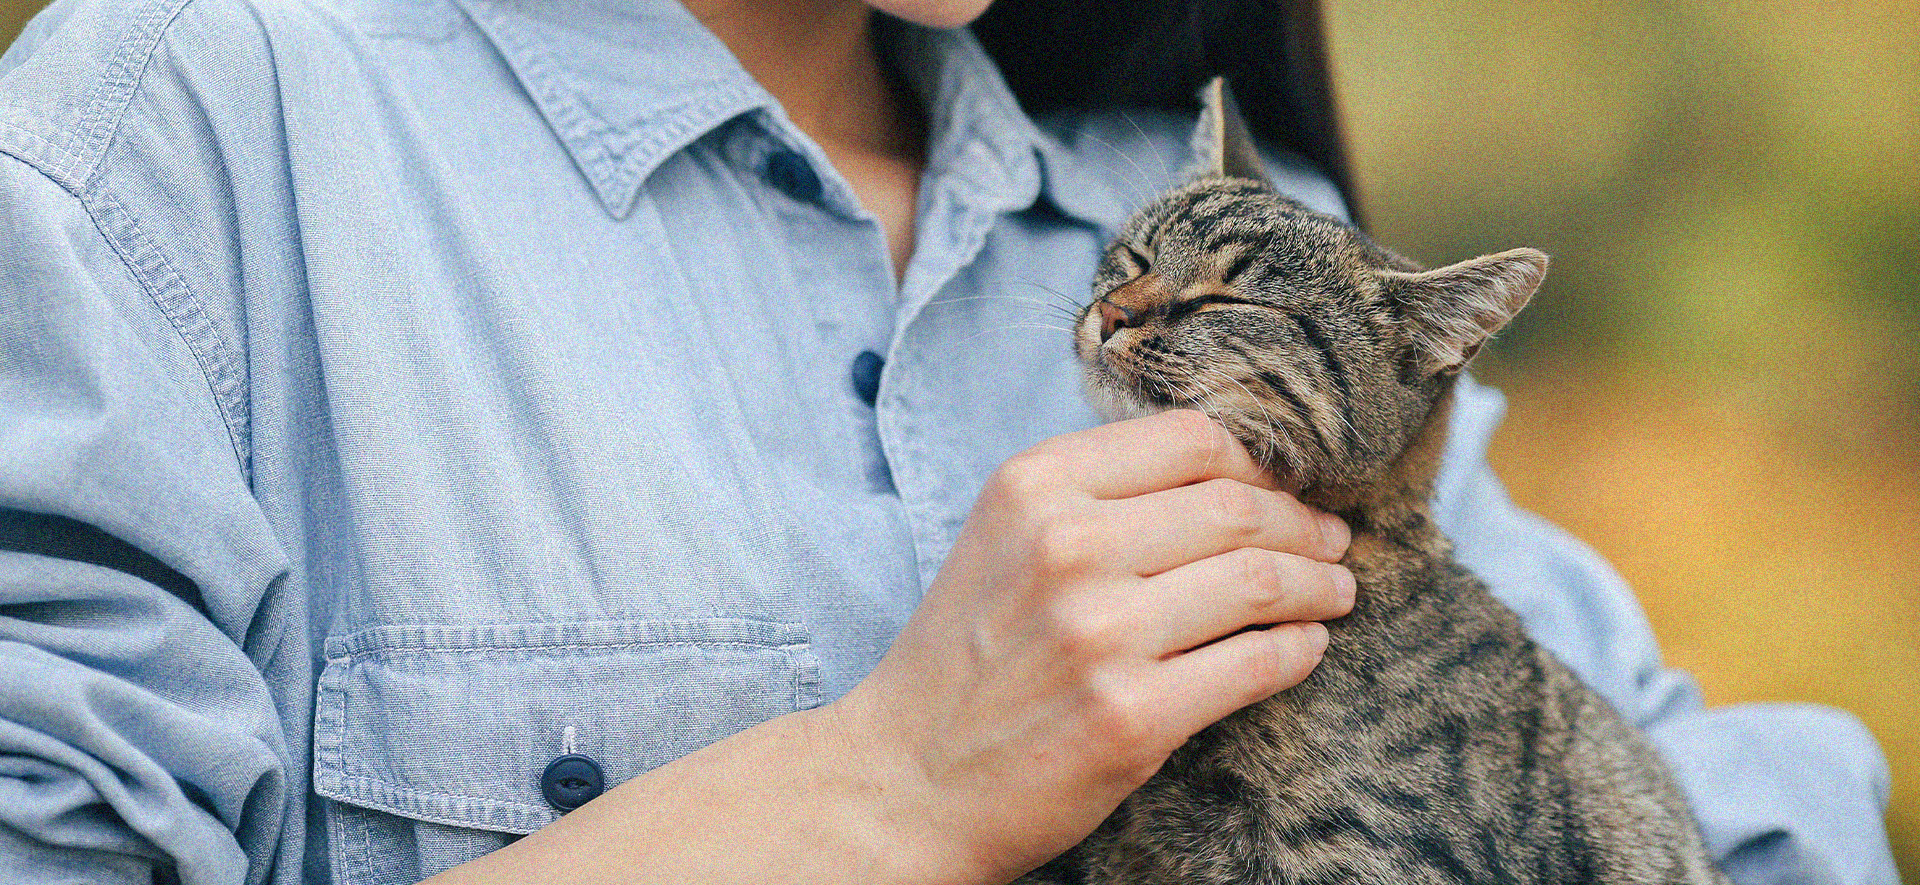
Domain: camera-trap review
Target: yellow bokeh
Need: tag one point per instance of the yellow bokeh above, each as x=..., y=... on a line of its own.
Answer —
x=1719, y=386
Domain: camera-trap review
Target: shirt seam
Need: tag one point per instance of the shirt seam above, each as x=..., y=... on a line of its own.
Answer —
x=174, y=300
x=468, y=651
x=60, y=155
x=105, y=107
x=107, y=101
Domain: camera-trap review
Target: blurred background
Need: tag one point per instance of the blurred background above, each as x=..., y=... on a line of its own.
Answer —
x=1719, y=387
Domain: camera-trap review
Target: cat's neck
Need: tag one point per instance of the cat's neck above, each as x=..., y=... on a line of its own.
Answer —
x=1396, y=510
x=1397, y=550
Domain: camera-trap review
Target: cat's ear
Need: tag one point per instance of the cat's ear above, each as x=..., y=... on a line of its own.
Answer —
x=1451, y=311
x=1221, y=141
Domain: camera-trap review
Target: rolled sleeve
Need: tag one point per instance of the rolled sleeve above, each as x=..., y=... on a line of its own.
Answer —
x=139, y=609
x=1783, y=792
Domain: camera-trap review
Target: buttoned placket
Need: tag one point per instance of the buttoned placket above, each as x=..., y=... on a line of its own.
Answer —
x=953, y=229
x=815, y=201
x=981, y=163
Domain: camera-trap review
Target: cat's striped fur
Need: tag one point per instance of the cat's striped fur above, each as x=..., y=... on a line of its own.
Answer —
x=1435, y=743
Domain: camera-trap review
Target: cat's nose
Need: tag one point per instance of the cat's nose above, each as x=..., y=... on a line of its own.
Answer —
x=1112, y=319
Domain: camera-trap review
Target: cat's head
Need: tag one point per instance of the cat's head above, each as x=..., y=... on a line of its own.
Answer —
x=1319, y=349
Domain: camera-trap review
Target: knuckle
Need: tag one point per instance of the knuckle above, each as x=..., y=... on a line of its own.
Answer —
x=1237, y=505
x=1019, y=477
x=1079, y=632
x=1062, y=546
x=1268, y=668
x=1116, y=719
x=1303, y=531
x=1261, y=574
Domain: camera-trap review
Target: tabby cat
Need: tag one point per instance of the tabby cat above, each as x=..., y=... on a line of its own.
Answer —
x=1435, y=743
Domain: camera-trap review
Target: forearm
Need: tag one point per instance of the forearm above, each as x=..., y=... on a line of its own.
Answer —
x=797, y=799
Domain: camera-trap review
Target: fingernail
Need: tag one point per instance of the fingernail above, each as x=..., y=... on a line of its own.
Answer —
x=1335, y=531
x=1344, y=583
x=1316, y=636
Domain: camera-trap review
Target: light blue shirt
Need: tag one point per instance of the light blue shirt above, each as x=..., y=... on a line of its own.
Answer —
x=396, y=395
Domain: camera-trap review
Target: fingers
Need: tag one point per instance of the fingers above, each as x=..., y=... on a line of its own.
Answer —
x=1151, y=454
x=1240, y=670
x=1198, y=603
x=1171, y=528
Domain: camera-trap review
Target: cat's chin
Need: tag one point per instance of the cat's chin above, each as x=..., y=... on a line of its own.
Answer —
x=1117, y=406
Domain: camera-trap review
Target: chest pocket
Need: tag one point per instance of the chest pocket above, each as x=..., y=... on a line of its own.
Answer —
x=431, y=740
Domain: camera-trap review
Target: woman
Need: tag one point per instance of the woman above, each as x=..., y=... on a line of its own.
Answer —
x=425, y=416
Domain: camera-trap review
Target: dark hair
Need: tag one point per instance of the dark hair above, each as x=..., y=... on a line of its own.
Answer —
x=1157, y=53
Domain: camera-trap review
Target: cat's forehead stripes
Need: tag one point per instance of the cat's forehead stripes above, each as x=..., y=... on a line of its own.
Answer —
x=1318, y=347
x=1224, y=231
x=1238, y=252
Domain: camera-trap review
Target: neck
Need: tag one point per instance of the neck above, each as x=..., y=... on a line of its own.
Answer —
x=1396, y=507
x=1394, y=535
x=819, y=60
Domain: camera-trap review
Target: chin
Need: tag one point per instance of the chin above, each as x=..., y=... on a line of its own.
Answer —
x=933, y=13
x=1114, y=404
x=1115, y=407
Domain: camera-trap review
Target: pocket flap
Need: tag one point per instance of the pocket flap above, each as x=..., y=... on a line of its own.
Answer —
x=454, y=724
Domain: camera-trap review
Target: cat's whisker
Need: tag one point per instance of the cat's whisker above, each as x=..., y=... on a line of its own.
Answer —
x=1044, y=307
x=1143, y=182
x=958, y=299
x=1001, y=328
x=1158, y=157
x=1068, y=308
x=1068, y=300
x=1048, y=326
x=1056, y=297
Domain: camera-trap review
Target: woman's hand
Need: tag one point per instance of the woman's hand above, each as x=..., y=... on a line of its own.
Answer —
x=1086, y=623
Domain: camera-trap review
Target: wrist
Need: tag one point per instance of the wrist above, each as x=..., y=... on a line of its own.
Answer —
x=908, y=827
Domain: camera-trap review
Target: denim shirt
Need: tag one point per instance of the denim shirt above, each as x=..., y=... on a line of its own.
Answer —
x=397, y=395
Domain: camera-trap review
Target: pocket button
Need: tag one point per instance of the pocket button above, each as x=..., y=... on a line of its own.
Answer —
x=571, y=781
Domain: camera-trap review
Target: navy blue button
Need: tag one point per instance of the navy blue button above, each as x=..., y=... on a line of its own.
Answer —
x=571, y=781
x=793, y=175
x=866, y=376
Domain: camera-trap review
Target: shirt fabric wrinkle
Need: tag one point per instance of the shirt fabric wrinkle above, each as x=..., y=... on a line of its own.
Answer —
x=482, y=397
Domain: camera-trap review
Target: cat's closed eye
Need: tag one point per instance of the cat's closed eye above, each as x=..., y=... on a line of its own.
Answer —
x=1141, y=264
x=1210, y=302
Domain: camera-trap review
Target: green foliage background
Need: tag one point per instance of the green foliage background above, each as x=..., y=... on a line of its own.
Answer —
x=1720, y=385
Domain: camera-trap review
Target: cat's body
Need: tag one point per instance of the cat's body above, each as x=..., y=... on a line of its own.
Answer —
x=1435, y=743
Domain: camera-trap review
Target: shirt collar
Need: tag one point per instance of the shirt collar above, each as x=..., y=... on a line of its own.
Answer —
x=624, y=84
